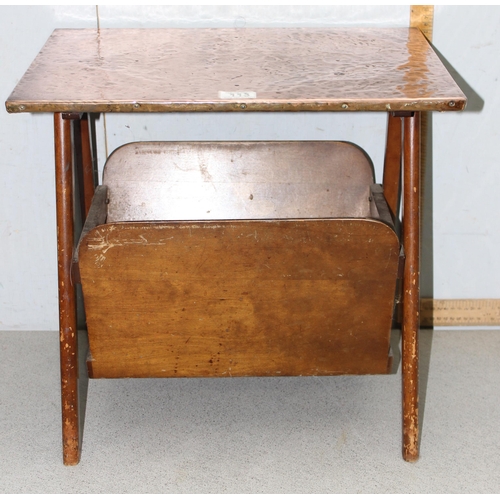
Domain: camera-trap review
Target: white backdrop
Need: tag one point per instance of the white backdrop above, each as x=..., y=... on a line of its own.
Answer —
x=462, y=229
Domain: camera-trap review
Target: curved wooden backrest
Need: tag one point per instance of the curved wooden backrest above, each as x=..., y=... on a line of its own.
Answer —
x=237, y=180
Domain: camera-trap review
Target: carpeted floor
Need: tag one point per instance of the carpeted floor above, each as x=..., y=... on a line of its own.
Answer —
x=255, y=435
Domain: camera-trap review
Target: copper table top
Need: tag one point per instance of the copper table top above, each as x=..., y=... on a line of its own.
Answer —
x=245, y=69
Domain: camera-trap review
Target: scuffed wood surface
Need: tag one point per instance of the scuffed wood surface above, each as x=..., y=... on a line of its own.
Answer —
x=288, y=69
x=68, y=340
x=237, y=180
x=97, y=215
x=239, y=298
x=411, y=286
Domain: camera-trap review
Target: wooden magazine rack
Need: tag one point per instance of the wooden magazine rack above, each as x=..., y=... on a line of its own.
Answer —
x=238, y=259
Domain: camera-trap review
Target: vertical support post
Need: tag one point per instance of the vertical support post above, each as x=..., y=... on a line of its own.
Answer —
x=87, y=163
x=84, y=167
x=67, y=297
x=392, y=164
x=411, y=284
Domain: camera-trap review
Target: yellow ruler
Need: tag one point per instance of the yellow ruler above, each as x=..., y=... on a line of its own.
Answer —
x=460, y=312
x=422, y=17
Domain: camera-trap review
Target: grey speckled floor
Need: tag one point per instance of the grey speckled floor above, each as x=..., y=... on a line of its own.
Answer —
x=338, y=434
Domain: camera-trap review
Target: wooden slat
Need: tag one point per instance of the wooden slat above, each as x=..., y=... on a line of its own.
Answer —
x=254, y=69
x=239, y=298
x=237, y=180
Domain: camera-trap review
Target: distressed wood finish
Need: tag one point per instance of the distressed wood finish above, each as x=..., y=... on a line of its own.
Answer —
x=67, y=299
x=280, y=296
x=97, y=215
x=239, y=298
x=237, y=180
x=289, y=69
x=411, y=285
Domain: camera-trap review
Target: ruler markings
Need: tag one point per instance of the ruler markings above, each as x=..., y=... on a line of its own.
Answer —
x=460, y=312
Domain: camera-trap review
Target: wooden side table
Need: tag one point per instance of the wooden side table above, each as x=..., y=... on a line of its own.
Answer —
x=83, y=71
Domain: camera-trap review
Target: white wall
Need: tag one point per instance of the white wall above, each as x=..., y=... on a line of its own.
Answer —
x=466, y=158
x=462, y=232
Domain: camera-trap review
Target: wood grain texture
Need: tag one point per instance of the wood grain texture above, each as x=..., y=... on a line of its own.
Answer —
x=277, y=296
x=239, y=298
x=288, y=69
x=237, y=180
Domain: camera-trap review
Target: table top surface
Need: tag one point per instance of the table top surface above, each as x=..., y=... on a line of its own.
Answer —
x=241, y=69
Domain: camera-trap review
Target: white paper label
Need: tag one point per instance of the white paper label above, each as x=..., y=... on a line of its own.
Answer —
x=237, y=95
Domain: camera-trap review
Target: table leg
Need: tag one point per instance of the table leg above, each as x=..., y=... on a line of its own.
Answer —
x=67, y=297
x=84, y=167
x=87, y=163
x=411, y=284
x=392, y=164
